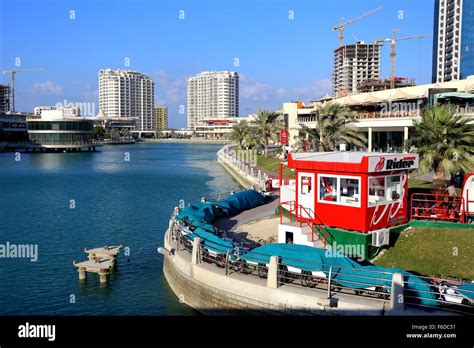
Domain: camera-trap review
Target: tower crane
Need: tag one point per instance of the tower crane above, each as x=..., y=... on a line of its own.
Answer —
x=342, y=24
x=12, y=78
x=393, y=53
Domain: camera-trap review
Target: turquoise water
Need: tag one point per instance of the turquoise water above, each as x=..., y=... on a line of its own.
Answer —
x=116, y=202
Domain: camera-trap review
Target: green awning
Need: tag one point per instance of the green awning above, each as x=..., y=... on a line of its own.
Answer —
x=458, y=95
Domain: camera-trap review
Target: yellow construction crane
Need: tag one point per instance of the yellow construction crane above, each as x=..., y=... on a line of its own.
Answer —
x=12, y=77
x=341, y=26
x=393, y=53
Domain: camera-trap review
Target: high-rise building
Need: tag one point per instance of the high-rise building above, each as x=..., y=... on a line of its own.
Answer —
x=354, y=64
x=128, y=94
x=161, y=117
x=453, y=40
x=5, y=94
x=212, y=94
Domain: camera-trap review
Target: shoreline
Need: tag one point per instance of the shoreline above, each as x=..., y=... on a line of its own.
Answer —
x=191, y=141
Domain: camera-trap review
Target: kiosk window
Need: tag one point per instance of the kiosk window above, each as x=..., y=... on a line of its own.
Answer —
x=349, y=191
x=383, y=190
x=328, y=188
x=306, y=186
x=339, y=189
x=376, y=191
x=393, y=188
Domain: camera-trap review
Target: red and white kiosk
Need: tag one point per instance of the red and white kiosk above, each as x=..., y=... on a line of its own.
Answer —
x=355, y=191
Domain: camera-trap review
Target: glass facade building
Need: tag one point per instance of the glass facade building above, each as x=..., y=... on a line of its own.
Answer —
x=61, y=132
x=467, y=39
x=453, y=40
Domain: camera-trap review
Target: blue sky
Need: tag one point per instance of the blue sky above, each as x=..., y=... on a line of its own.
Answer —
x=280, y=59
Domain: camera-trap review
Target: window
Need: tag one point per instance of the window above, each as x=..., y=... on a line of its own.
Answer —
x=384, y=190
x=342, y=190
x=306, y=187
x=393, y=188
x=376, y=191
x=349, y=191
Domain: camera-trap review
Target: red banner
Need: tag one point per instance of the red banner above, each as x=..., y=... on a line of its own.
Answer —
x=284, y=137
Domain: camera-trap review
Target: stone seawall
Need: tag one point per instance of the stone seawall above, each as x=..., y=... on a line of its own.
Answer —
x=206, y=288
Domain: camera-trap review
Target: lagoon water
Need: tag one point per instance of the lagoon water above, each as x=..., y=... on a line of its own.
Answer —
x=65, y=202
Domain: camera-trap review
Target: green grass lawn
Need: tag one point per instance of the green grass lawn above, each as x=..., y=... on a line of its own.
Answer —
x=273, y=164
x=437, y=252
x=415, y=183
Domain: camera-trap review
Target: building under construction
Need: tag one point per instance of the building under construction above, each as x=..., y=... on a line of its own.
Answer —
x=354, y=64
x=373, y=85
x=5, y=95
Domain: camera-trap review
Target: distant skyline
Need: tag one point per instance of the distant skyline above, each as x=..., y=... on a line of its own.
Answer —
x=282, y=50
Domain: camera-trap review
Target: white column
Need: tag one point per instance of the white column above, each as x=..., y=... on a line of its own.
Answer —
x=370, y=140
x=272, y=277
x=397, y=296
x=405, y=139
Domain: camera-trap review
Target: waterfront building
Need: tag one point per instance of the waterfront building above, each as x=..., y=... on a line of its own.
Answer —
x=13, y=126
x=212, y=94
x=5, y=97
x=161, y=117
x=60, y=128
x=219, y=128
x=128, y=94
x=354, y=64
x=385, y=117
x=453, y=40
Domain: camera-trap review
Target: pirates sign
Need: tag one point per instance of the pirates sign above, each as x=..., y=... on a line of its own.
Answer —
x=387, y=162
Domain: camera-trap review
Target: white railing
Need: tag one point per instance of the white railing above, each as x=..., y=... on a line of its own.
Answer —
x=228, y=156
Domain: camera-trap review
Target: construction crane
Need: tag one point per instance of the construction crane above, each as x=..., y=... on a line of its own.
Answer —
x=12, y=77
x=393, y=53
x=341, y=26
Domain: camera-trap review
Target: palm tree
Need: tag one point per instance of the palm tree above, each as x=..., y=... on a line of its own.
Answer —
x=444, y=141
x=266, y=125
x=252, y=139
x=332, y=128
x=239, y=132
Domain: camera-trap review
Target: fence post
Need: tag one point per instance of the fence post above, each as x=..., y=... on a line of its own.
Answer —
x=397, y=298
x=227, y=262
x=272, y=276
x=329, y=282
x=196, y=255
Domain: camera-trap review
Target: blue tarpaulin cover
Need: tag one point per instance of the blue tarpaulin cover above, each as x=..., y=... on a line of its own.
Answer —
x=202, y=214
x=241, y=201
x=467, y=289
x=345, y=271
x=211, y=241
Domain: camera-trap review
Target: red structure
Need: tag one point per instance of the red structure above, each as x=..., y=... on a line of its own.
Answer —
x=356, y=191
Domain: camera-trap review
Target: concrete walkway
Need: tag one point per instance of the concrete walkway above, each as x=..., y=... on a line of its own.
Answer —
x=229, y=223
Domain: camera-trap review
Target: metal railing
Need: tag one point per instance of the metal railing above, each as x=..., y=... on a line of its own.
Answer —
x=310, y=219
x=437, y=207
x=245, y=169
x=327, y=277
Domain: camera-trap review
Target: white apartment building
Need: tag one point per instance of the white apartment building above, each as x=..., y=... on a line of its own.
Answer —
x=353, y=64
x=453, y=45
x=212, y=94
x=127, y=94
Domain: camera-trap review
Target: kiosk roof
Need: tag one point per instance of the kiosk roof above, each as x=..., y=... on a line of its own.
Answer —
x=355, y=162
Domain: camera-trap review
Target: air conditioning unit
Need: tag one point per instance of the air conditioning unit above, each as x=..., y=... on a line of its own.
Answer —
x=380, y=237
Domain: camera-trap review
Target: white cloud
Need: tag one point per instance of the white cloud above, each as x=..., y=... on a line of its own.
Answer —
x=316, y=89
x=168, y=90
x=254, y=90
x=47, y=87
